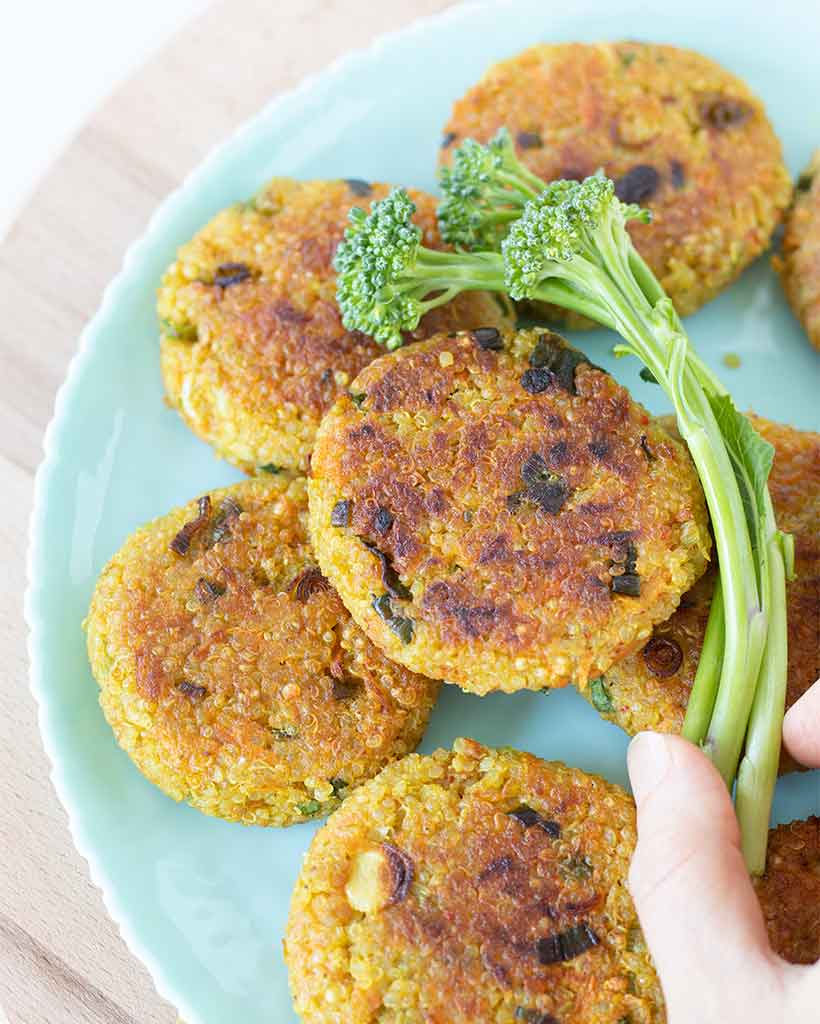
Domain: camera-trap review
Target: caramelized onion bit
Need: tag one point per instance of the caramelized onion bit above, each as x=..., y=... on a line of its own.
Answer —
x=345, y=689
x=231, y=273
x=310, y=581
x=340, y=513
x=566, y=945
x=401, y=626
x=663, y=656
x=401, y=867
x=390, y=578
x=529, y=818
x=228, y=510
x=530, y=1016
x=191, y=690
x=207, y=591
x=488, y=338
x=181, y=544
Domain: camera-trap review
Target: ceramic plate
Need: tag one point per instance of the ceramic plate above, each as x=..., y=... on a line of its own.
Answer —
x=201, y=902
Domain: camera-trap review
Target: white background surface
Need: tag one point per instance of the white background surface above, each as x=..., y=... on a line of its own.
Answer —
x=58, y=60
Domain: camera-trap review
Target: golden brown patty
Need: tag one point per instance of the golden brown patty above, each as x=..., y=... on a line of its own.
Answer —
x=676, y=131
x=650, y=689
x=253, y=348
x=789, y=891
x=799, y=262
x=498, y=512
x=474, y=887
x=231, y=672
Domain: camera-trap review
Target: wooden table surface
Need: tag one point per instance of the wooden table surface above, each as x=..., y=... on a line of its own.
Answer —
x=62, y=960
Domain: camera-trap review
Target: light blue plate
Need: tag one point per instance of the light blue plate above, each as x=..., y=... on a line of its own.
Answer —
x=201, y=902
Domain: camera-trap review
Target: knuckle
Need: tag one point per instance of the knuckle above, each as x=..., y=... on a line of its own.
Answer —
x=658, y=865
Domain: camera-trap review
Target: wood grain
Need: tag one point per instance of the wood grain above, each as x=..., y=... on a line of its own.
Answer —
x=62, y=961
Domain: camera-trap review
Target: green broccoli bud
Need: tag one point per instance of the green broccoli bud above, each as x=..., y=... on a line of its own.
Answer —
x=377, y=250
x=569, y=220
x=484, y=191
x=547, y=233
x=387, y=280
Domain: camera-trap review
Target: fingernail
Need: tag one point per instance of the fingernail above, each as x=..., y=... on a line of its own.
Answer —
x=648, y=761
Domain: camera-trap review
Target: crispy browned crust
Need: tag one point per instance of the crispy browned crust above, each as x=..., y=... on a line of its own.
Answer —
x=270, y=354
x=789, y=891
x=461, y=944
x=506, y=594
x=799, y=261
x=721, y=187
x=232, y=673
x=644, y=699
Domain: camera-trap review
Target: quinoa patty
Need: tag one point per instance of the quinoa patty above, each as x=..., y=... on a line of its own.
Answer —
x=650, y=689
x=789, y=891
x=497, y=512
x=229, y=669
x=677, y=132
x=799, y=261
x=253, y=349
x=476, y=886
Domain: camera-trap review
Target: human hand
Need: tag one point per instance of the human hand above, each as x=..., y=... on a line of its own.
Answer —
x=697, y=907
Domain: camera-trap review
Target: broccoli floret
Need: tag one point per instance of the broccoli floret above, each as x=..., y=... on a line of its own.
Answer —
x=569, y=223
x=387, y=280
x=370, y=263
x=485, y=190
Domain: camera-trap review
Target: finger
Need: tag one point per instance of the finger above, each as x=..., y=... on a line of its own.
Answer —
x=801, y=728
x=688, y=879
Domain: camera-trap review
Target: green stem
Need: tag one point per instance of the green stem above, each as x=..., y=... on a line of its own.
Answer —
x=743, y=639
x=733, y=703
x=704, y=689
x=653, y=291
x=648, y=283
x=522, y=180
x=738, y=670
x=757, y=774
x=556, y=293
x=744, y=623
x=758, y=770
x=503, y=215
x=465, y=281
x=445, y=274
x=655, y=345
x=450, y=273
x=436, y=260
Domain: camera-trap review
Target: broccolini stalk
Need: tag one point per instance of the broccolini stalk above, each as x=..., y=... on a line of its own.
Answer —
x=718, y=710
x=758, y=770
x=577, y=234
x=704, y=688
x=570, y=246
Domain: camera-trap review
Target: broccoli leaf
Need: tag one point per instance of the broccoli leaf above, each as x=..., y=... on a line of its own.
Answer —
x=752, y=459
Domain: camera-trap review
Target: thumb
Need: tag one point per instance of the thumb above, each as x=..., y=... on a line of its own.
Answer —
x=690, y=885
x=801, y=728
